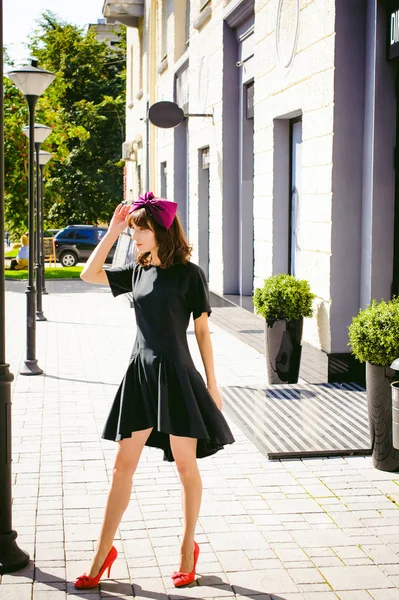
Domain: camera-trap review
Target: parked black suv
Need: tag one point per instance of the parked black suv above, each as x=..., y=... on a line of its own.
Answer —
x=75, y=243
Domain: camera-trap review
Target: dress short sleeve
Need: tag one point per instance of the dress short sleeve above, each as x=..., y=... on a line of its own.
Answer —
x=120, y=279
x=199, y=293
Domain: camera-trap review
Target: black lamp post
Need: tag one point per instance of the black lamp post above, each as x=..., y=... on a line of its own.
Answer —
x=41, y=133
x=32, y=82
x=12, y=557
x=44, y=157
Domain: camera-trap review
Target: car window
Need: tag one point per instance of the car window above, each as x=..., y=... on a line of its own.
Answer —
x=100, y=234
x=68, y=234
x=84, y=235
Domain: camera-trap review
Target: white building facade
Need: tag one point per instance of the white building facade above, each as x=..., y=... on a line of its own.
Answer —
x=294, y=171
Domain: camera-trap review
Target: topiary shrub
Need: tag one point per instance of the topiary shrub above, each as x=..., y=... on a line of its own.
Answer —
x=284, y=297
x=374, y=333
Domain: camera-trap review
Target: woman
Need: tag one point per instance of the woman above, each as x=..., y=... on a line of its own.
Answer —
x=162, y=400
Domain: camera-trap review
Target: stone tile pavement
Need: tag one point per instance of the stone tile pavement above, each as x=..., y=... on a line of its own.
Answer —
x=314, y=529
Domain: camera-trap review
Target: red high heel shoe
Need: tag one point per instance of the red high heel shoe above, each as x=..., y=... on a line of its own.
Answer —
x=85, y=582
x=180, y=579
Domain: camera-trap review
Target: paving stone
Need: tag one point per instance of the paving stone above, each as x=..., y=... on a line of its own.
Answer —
x=266, y=563
x=281, y=507
x=308, y=575
x=286, y=597
x=358, y=561
x=357, y=595
x=51, y=595
x=116, y=589
x=229, y=541
x=50, y=574
x=327, y=561
x=299, y=564
x=390, y=569
x=329, y=538
x=385, y=594
x=203, y=592
x=46, y=586
x=235, y=560
x=320, y=596
x=18, y=591
x=308, y=588
x=275, y=581
x=345, y=552
x=355, y=578
x=291, y=554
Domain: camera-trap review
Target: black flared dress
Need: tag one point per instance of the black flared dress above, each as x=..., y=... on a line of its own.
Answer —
x=162, y=388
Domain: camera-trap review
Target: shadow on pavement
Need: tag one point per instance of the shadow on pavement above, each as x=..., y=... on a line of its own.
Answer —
x=60, y=286
x=81, y=380
x=124, y=589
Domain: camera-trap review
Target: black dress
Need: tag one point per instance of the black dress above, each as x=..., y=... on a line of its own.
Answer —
x=162, y=388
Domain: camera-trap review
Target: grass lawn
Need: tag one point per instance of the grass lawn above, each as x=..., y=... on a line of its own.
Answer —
x=62, y=273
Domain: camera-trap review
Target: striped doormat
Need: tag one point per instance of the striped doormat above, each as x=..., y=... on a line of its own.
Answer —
x=303, y=419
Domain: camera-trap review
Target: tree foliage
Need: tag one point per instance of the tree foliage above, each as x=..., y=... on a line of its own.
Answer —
x=15, y=158
x=85, y=107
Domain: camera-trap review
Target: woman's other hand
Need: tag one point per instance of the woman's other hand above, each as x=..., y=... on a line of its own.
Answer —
x=118, y=222
x=216, y=395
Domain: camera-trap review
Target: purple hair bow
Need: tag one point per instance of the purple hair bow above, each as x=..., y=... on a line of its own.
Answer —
x=163, y=211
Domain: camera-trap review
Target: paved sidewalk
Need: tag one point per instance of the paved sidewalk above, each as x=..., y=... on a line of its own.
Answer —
x=315, y=529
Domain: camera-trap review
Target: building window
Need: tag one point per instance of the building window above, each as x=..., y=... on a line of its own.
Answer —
x=131, y=74
x=164, y=47
x=140, y=58
x=250, y=100
x=188, y=9
x=163, y=179
x=182, y=27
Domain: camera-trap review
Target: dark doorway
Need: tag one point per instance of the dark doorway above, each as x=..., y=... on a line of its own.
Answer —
x=238, y=155
x=296, y=233
x=203, y=210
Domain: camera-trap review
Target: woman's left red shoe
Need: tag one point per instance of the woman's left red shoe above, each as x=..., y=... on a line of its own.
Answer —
x=85, y=582
x=181, y=579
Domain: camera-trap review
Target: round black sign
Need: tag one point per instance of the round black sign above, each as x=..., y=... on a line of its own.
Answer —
x=165, y=114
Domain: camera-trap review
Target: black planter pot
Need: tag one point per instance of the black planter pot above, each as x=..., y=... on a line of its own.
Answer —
x=379, y=400
x=283, y=350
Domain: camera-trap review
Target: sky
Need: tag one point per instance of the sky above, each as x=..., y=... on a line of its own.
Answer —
x=20, y=18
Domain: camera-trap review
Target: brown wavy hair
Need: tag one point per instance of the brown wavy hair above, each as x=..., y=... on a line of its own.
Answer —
x=173, y=248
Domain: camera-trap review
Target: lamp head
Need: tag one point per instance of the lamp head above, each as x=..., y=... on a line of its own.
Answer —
x=41, y=132
x=31, y=80
x=44, y=157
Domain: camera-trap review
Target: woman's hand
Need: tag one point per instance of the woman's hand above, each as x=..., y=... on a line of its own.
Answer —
x=118, y=221
x=216, y=395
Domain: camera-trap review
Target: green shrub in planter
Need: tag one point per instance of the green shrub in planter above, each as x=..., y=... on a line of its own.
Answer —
x=374, y=333
x=284, y=297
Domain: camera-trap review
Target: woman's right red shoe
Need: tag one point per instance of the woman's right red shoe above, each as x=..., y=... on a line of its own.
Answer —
x=181, y=579
x=85, y=582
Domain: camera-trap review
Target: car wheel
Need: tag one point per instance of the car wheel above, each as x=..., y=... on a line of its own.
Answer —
x=68, y=259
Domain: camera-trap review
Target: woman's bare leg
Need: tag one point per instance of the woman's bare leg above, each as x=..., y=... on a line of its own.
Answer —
x=184, y=452
x=126, y=461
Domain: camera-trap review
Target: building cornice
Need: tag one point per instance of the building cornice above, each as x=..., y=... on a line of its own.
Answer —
x=126, y=12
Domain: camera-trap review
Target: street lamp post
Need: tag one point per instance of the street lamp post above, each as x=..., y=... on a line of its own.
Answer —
x=41, y=134
x=44, y=157
x=12, y=557
x=32, y=82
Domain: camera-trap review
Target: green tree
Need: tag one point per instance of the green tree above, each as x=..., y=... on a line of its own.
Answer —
x=15, y=158
x=85, y=106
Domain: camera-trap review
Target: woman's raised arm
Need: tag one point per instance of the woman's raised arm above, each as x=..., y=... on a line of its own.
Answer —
x=93, y=270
